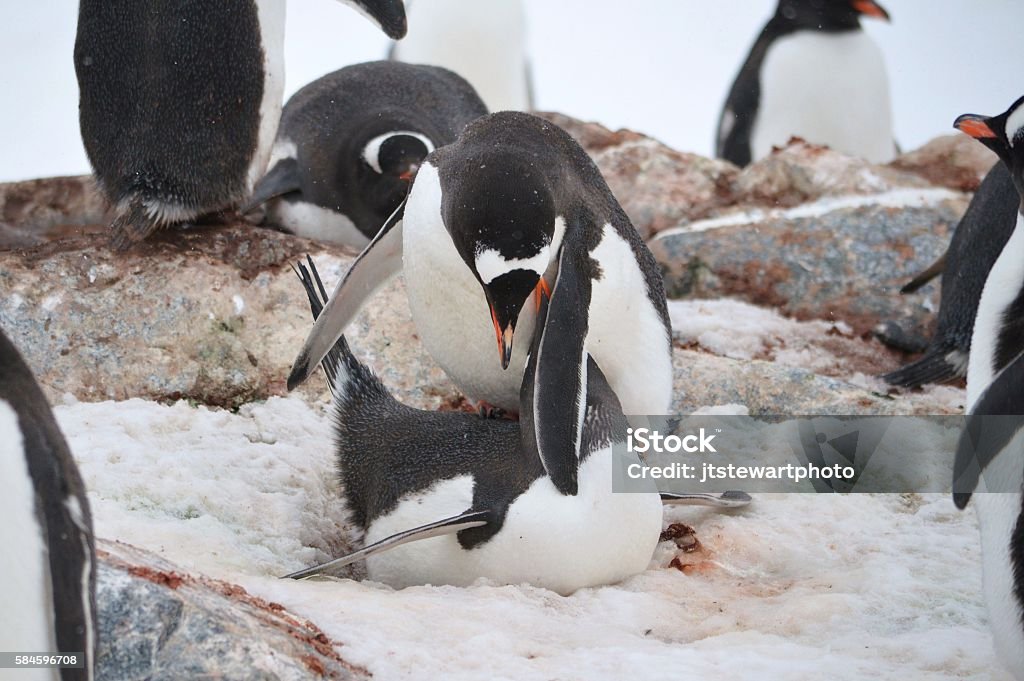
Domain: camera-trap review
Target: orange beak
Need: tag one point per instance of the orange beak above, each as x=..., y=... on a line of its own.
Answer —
x=975, y=126
x=504, y=338
x=870, y=8
x=541, y=290
x=410, y=173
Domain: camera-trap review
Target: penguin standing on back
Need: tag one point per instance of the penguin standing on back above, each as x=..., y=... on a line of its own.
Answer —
x=513, y=211
x=48, y=561
x=350, y=143
x=478, y=492
x=179, y=101
x=978, y=240
x=484, y=42
x=812, y=73
x=989, y=462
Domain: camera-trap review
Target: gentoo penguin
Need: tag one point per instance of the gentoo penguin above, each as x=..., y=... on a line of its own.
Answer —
x=479, y=489
x=48, y=561
x=977, y=241
x=991, y=453
x=513, y=210
x=812, y=73
x=349, y=144
x=484, y=42
x=179, y=101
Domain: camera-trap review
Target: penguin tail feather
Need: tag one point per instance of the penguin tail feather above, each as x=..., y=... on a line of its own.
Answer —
x=934, y=367
x=132, y=225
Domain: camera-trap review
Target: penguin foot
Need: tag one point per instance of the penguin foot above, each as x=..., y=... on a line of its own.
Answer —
x=489, y=411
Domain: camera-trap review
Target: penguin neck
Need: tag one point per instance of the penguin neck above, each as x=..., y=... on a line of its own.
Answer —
x=994, y=328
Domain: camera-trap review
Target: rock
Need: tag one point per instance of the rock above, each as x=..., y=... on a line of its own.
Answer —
x=954, y=161
x=157, y=622
x=36, y=210
x=211, y=315
x=703, y=380
x=836, y=261
x=802, y=172
x=591, y=136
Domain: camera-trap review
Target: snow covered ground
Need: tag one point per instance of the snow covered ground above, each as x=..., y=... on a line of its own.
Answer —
x=793, y=587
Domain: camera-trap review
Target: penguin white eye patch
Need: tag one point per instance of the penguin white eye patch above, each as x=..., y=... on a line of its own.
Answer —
x=371, y=152
x=491, y=264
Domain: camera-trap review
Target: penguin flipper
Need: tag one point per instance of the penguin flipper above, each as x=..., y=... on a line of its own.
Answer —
x=374, y=267
x=557, y=372
x=283, y=178
x=984, y=438
x=389, y=15
x=317, y=296
x=463, y=521
x=730, y=499
x=933, y=270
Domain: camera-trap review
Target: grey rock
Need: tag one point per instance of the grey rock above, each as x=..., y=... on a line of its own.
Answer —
x=845, y=264
x=157, y=622
x=211, y=315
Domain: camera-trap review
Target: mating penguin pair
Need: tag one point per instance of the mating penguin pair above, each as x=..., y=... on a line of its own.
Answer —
x=515, y=210
x=991, y=452
x=48, y=561
x=978, y=240
x=484, y=42
x=812, y=73
x=478, y=492
x=180, y=101
x=350, y=143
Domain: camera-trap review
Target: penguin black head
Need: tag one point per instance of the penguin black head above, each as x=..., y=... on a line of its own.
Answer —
x=502, y=222
x=1003, y=134
x=828, y=15
x=388, y=14
x=397, y=154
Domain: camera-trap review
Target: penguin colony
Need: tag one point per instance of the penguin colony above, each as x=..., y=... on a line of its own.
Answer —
x=538, y=262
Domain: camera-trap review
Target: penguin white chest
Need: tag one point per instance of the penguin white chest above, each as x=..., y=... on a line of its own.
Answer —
x=271, y=14
x=1004, y=283
x=24, y=564
x=448, y=304
x=829, y=89
x=549, y=540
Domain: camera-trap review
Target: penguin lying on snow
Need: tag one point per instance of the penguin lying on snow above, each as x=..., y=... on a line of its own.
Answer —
x=812, y=73
x=414, y=475
x=995, y=386
x=48, y=561
x=485, y=42
x=977, y=241
x=179, y=101
x=514, y=210
x=350, y=142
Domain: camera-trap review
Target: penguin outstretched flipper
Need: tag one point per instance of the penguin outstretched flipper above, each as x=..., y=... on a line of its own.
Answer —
x=983, y=439
x=374, y=267
x=389, y=15
x=730, y=499
x=282, y=179
x=933, y=270
x=557, y=370
x=463, y=521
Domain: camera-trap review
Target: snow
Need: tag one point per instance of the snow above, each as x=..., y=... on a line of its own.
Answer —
x=794, y=586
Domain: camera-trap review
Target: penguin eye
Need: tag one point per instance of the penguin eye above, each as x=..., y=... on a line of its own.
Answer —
x=397, y=153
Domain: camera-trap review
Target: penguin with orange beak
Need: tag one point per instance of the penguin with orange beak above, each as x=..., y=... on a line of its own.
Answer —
x=812, y=73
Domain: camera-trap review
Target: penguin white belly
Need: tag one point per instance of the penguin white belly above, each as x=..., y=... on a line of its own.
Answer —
x=998, y=515
x=484, y=42
x=448, y=304
x=549, y=540
x=25, y=594
x=1004, y=282
x=271, y=15
x=315, y=222
x=828, y=89
x=627, y=337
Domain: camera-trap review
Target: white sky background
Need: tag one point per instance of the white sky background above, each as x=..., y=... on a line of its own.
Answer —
x=661, y=67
